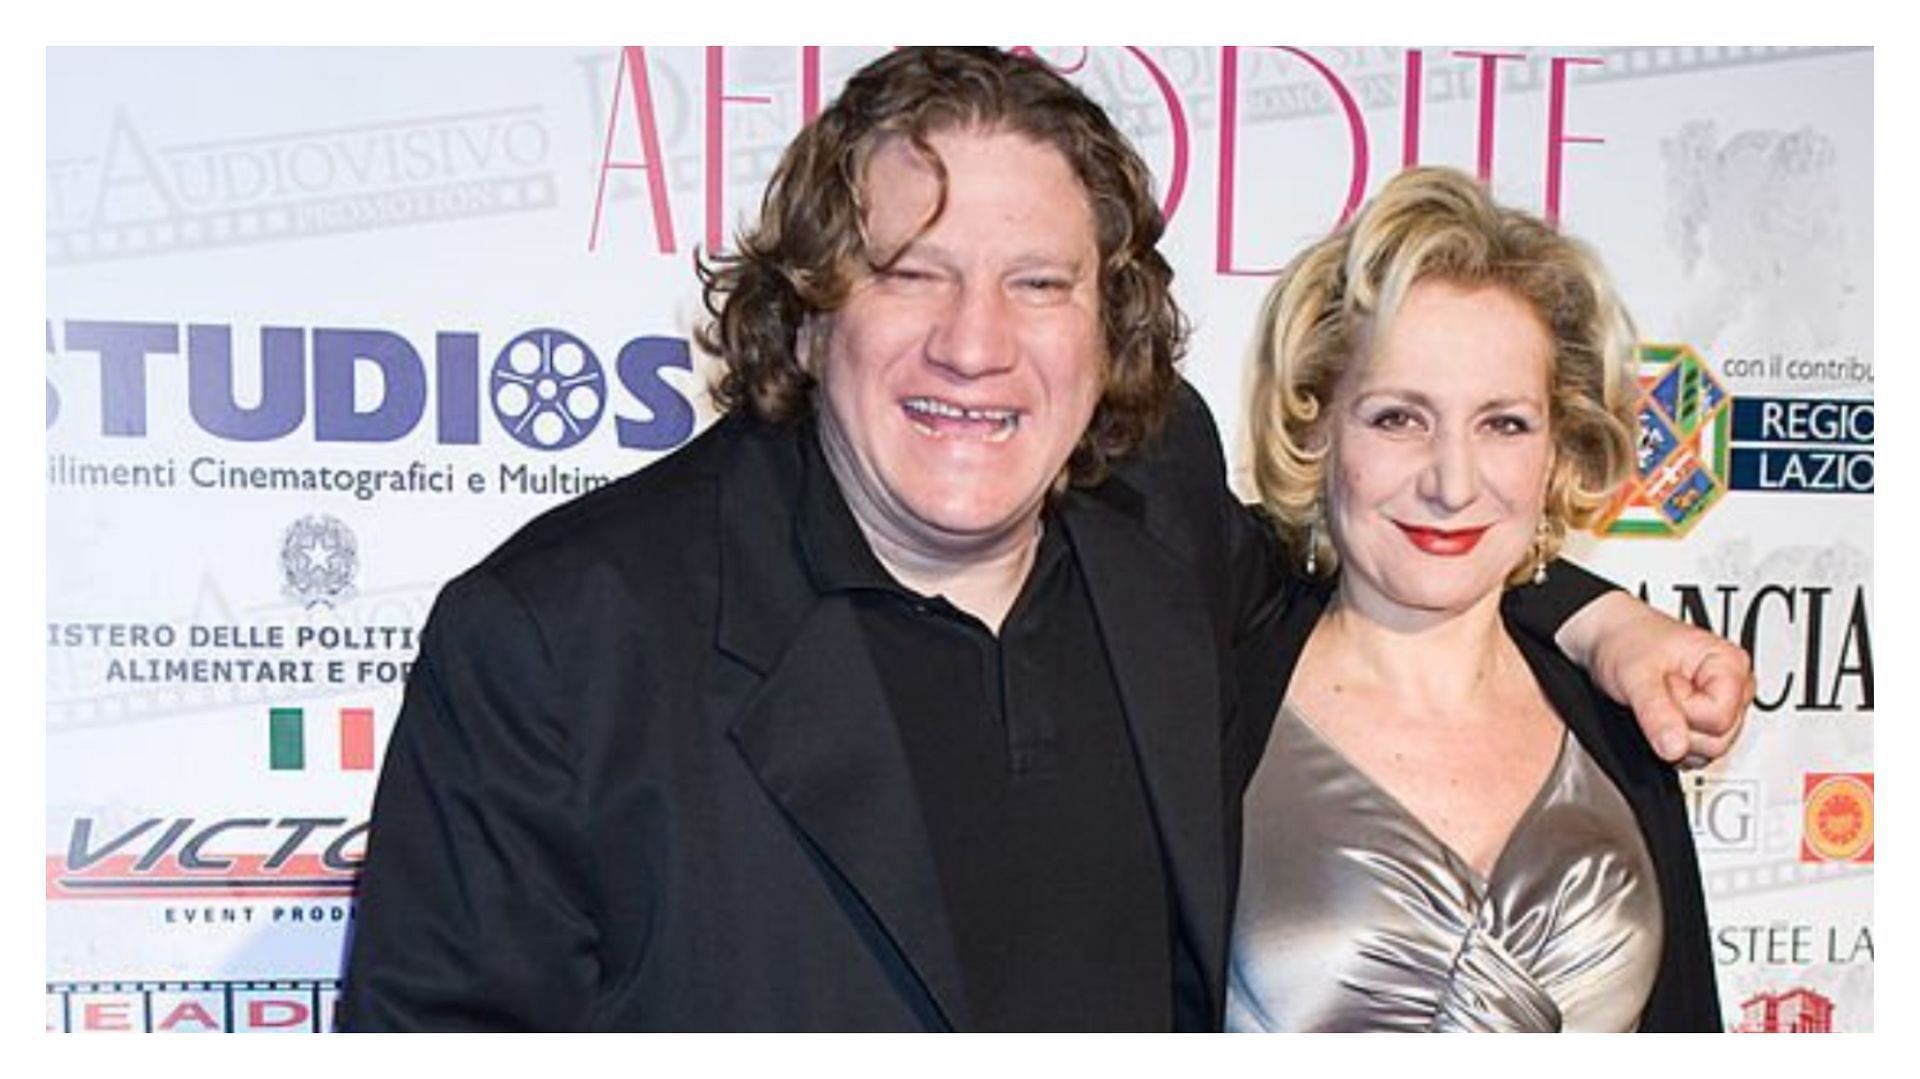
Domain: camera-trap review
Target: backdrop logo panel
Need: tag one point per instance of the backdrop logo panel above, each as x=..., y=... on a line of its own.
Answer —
x=318, y=560
x=267, y=1006
x=1680, y=464
x=1785, y=944
x=547, y=389
x=1809, y=445
x=1838, y=818
x=288, y=741
x=1696, y=442
x=225, y=858
x=1723, y=811
x=1812, y=643
x=1794, y=1011
x=143, y=195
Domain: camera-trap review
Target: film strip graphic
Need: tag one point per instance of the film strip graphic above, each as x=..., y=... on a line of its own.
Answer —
x=1642, y=62
x=275, y=219
x=117, y=707
x=1449, y=78
x=1780, y=875
x=300, y=219
x=274, y=1005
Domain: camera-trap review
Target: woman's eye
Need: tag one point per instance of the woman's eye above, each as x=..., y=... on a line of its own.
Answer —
x=1510, y=425
x=1394, y=419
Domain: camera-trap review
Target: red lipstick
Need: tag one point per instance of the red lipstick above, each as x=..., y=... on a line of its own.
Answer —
x=1447, y=543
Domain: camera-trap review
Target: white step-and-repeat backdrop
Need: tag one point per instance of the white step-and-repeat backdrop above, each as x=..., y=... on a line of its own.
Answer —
x=296, y=299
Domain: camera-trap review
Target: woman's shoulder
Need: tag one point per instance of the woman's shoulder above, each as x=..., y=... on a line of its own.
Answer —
x=1604, y=727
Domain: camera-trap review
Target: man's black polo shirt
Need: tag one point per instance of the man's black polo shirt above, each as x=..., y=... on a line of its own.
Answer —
x=1047, y=853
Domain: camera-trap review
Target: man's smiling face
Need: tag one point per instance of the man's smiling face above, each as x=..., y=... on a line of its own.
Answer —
x=957, y=381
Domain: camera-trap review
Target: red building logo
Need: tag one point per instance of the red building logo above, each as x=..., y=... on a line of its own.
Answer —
x=1796, y=1011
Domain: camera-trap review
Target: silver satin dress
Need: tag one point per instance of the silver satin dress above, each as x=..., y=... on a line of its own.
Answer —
x=1353, y=916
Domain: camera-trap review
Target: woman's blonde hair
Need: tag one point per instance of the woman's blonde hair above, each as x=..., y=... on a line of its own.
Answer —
x=1438, y=224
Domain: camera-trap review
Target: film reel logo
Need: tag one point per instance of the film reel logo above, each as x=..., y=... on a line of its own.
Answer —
x=548, y=389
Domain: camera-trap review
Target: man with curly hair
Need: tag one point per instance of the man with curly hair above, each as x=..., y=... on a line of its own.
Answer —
x=901, y=697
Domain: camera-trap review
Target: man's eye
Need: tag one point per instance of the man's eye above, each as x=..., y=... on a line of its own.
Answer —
x=1044, y=285
x=906, y=275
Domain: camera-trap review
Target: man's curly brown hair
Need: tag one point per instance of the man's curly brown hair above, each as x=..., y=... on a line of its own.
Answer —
x=809, y=247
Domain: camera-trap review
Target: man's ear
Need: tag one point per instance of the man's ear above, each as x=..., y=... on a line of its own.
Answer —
x=810, y=343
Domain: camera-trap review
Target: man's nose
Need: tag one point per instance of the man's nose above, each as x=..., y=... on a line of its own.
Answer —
x=974, y=335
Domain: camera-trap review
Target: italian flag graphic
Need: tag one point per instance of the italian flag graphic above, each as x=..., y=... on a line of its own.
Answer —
x=287, y=739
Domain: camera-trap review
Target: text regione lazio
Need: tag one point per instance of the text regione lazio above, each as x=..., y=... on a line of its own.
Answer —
x=324, y=327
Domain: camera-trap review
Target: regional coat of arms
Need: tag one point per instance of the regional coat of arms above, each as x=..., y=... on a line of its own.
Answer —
x=1680, y=465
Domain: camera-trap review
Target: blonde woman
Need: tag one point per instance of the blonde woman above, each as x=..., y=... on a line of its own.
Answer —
x=1448, y=828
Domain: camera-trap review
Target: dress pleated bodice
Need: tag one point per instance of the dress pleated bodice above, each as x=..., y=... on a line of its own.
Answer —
x=1354, y=916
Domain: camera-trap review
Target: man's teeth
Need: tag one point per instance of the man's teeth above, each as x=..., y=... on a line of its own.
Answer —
x=1006, y=418
x=932, y=407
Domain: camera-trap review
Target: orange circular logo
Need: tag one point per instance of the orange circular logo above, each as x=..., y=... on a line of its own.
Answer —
x=1839, y=818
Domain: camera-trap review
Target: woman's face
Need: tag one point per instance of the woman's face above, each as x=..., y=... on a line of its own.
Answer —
x=1440, y=452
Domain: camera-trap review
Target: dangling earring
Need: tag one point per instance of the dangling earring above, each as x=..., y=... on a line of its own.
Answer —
x=1313, y=546
x=1541, y=535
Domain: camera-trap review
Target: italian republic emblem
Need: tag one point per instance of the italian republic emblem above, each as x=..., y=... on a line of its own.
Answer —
x=318, y=561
